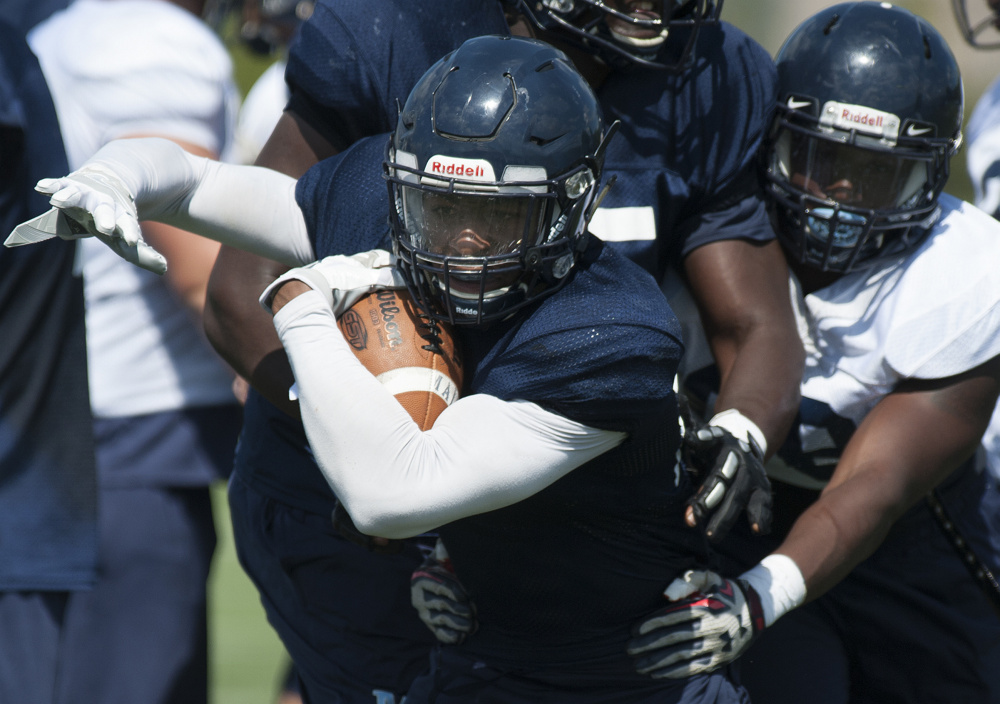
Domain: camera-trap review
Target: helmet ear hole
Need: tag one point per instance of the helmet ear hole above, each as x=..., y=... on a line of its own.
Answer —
x=489, y=200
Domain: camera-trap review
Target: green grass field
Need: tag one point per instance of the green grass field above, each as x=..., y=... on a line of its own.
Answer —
x=247, y=660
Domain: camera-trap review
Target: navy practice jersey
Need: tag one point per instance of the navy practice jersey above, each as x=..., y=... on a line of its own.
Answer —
x=684, y=155
x=48, y=496
x=353, y=60
x=603, y=350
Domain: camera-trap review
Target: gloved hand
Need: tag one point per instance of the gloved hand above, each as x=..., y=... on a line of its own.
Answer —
x=343, y=280
x=91, y=202
x=710, y=623
x=440, y=599
x=732, y=479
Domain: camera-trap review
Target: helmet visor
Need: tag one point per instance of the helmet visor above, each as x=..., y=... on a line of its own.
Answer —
x=468, y=225
x=862, y=178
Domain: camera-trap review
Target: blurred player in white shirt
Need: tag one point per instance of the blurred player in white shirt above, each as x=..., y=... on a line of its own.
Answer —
x=165, y=417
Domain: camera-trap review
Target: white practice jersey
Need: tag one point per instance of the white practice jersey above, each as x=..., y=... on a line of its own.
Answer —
x=983, y=152
x=130, y=68
x=260, y=112
x=933, y=314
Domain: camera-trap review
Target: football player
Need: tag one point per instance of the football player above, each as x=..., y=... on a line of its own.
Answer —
x=982, y=155
x=687, y=193
x=556, y=458
x=899, y=303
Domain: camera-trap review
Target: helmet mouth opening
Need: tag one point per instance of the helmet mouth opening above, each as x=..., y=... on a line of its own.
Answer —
x=624, y=32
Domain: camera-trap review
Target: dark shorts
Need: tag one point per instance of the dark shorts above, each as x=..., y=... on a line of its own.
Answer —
x=908, y=625
x=457, y=678
x=140, y=635
x=343, y=612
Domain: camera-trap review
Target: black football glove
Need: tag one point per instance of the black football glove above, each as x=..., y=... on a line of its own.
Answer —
x=732, y=479
x=441, y=601
x=699, y=632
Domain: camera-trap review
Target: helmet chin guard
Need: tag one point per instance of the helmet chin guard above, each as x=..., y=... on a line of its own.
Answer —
x=661, y=34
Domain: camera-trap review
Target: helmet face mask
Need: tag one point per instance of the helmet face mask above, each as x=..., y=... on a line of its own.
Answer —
x=491, y=201
x=844, y=200
x=979, y=23
x=623, y=32
x=854, y=164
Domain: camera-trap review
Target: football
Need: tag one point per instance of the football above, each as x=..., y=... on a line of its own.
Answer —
x=413, y=356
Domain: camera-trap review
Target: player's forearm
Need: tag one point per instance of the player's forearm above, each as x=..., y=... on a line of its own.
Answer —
x=247, y=207
x=241, y=331
x=761, y=377
x=837, y=532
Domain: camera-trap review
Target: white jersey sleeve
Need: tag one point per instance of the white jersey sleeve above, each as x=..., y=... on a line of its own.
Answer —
x=931, y=315
x=397, y=481
x=261, y=109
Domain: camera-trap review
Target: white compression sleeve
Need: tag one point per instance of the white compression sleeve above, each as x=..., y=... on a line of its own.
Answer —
x=247, y=207
x=396, y=481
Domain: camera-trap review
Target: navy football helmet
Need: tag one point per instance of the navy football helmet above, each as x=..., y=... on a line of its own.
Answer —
x=493, y=173
x=630, y=31
x=869, y=113
x=981, y=25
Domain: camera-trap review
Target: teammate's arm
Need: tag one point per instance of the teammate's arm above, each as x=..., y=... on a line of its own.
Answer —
x=741, y=290
x=241, y=332
x=912, y=440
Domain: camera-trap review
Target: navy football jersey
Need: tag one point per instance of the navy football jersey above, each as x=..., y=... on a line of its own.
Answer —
x=685, y=153
x=48, y=493
x=353, y=60
x=603, y=350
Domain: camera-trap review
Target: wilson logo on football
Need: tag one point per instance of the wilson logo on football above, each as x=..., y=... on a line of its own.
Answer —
x=465, y=169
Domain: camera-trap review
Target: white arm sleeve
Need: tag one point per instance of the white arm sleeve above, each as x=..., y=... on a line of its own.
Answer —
x=247, y=207
x=397, y=481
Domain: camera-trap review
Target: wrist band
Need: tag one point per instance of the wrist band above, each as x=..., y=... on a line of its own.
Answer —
x=779, y=583
x=740, y=427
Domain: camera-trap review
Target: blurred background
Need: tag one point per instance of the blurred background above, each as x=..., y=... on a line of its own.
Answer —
x=248, y=661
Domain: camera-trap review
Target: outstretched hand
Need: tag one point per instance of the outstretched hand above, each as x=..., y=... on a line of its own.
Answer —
x=91, y=202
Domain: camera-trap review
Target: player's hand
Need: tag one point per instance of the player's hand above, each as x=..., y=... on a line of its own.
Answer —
x=343, y=280
x=732, y=480
x=94, y=202
x=701, y=630
x=441, y=601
